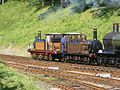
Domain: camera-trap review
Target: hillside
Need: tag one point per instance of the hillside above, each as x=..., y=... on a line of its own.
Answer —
x=19, y=22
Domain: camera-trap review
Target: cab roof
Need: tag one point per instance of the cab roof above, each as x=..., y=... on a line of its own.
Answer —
x=73, y=33
x=54, y=34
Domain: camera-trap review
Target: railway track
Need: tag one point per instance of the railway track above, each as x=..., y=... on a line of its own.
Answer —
x=78, y=75
x=65, y=66
x=72, y=85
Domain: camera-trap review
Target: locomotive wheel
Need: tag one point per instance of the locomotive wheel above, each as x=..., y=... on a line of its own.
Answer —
x=105, y=62
x=34, y=56
x=95, y=62
x=66, y=58
x=41, y=57
x=50, y=57
x=46, y=57
x=99, y=61
x=60, y=59
x=92, y=61
x=88, y=61
x=117, y=63
x=38, y=57
x=85, y=60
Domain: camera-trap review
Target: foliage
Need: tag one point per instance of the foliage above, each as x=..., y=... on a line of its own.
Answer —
x=11, y=80
x=19, y=22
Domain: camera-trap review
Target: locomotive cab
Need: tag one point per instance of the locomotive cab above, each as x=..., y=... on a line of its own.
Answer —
x=53, y=42
x=73, y=42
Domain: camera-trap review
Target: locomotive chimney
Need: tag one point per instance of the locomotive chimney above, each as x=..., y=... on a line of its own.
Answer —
x=94, y=34
x=116, y=27
x=39, y=34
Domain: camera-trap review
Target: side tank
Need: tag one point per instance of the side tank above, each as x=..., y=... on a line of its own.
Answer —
x=39, y=44
x=111, y=40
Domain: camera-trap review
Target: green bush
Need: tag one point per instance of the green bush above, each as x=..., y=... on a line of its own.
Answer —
x=11, y=80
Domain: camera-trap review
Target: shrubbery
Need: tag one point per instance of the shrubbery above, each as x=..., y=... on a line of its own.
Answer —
x=19, y=22
x=11, y=80
x=81, y=5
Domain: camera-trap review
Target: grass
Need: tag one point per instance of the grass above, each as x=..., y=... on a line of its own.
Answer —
x=19, y=23
x=11, y=80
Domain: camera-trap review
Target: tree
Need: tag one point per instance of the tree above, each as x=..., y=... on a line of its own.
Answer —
x=2, y=1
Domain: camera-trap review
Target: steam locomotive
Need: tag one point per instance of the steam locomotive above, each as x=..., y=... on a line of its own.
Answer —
x=111, y=53
x=75, y=47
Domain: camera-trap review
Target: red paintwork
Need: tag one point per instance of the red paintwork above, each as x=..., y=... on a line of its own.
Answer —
x=40, y=52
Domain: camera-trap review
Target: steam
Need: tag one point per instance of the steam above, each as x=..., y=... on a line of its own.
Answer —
x=112, y=3
x=92, y=3
x=82, y=5
x=96, y=3
x=78, y=6
x=47, y=12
